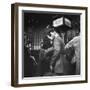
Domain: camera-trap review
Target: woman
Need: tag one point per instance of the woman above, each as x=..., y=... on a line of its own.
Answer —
x=44, y=57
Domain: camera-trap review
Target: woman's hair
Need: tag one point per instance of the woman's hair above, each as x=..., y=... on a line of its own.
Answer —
x=46, y=43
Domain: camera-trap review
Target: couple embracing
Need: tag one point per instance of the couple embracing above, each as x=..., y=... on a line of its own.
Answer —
x=52, y=52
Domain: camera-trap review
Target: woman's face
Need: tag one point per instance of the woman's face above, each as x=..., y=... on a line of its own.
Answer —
x=52, y=35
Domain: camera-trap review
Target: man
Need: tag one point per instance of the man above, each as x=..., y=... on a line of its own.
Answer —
x=56, y=62
x=75, y=43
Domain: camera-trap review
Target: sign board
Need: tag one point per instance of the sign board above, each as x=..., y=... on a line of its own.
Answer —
x=67, y=22
x=61, y=21
x=58, y=22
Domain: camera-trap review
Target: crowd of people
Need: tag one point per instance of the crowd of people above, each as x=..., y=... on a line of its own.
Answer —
x=56, y=58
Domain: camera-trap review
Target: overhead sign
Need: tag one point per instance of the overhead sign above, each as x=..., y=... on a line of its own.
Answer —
x=62, y=21
x=67, y=22
x=58, y=22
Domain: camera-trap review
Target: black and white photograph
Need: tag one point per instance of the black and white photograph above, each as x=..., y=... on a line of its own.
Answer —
x=50, y=44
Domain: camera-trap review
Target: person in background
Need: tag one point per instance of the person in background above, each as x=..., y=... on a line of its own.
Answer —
x=30, y=63
x=75, y=43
